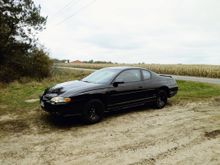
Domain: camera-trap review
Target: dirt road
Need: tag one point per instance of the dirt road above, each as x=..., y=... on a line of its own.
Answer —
x=187, y=133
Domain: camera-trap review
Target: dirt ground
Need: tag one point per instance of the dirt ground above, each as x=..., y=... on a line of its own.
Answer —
x=187, y=133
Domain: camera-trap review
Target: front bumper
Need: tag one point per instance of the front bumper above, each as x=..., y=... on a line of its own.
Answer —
x=74, y=108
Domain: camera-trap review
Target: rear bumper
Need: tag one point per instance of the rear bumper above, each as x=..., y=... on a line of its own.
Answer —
x=173, y=91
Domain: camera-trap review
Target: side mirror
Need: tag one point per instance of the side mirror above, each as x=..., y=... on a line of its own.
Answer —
x=116, y=83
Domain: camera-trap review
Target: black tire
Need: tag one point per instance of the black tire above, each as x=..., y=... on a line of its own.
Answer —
x=161, y=100
x=93, y=111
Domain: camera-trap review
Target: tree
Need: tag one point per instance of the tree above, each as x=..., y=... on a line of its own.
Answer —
x=20, y=21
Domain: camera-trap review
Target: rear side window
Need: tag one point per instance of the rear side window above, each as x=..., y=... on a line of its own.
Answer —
x=130, y=75
x=146, y=74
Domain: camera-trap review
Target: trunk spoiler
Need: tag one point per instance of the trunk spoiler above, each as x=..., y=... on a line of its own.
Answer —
x=166, y=75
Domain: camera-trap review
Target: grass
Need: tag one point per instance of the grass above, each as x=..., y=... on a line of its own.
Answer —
x=13, y=95
x=196, y=91
x=212, y=71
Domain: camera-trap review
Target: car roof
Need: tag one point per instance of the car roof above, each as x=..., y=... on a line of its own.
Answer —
x=123, y=67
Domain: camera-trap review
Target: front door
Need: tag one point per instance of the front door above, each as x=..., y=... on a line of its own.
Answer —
x=128, y=93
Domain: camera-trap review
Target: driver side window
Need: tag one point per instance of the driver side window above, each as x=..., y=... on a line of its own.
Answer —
x=131, y=75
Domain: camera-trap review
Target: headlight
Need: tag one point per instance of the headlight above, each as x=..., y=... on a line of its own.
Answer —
x=60, y=100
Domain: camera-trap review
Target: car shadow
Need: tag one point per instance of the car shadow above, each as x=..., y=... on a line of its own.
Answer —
x=62, y=122
x=77, y=121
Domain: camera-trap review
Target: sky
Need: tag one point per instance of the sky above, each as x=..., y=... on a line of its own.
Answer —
x=133, y=31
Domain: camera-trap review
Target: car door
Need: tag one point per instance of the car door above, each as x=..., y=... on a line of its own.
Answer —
x=128, y=93
x=149, y=91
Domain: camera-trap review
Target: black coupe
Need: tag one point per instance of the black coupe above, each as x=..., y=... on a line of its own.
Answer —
x=108, y=89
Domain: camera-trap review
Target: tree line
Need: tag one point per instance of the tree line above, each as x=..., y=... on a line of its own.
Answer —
x=20, y=53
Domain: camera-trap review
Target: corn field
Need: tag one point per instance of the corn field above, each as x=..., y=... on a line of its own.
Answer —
x=212, y=71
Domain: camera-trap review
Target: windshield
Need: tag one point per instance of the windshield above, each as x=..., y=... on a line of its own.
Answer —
x=102, y=76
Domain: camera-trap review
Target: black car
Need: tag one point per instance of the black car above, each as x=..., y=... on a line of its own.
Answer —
x=108, y=89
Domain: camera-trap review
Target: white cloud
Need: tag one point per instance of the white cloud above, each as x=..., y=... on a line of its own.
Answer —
x=160, y=31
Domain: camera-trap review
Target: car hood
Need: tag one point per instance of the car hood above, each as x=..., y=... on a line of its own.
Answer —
x=72, y=88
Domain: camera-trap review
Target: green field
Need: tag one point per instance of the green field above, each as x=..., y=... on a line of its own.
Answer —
x=13, y=95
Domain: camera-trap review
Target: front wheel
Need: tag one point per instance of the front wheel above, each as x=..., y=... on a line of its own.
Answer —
x=161, y=100
x=93, y=111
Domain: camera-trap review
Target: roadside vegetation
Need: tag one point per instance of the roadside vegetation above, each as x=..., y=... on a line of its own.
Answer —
x=212, y=71
x=16, y=95
x=196, y=91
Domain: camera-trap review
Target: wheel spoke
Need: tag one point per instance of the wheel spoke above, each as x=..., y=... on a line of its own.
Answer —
x=93, y=112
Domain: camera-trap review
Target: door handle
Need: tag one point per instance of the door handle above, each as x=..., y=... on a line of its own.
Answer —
x=140, y=87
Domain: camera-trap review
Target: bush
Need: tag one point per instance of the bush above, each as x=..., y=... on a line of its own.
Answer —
x=40, y=65
x=36, y=64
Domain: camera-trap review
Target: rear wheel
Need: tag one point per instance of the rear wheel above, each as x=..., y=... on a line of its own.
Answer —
x=93, y=111
x=161, y=100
